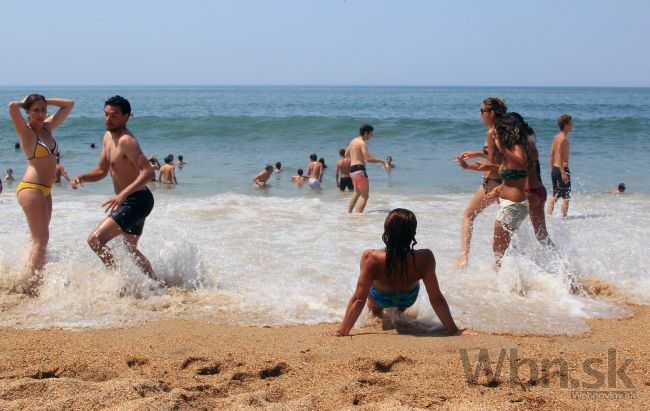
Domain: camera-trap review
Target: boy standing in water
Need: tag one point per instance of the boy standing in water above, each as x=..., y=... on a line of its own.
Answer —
x=262, y=177
x=167, y=172
x=130, y=170
x=315, y=172
x=343, y=179
x=559, y=162
x=358, y=153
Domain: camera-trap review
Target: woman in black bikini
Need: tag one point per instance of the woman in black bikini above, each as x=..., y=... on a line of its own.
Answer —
x=34, y=191
x=511, y=141
x=535, y=190
x=491, y=109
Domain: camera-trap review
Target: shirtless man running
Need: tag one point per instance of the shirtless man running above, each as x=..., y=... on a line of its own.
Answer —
x=130, y=170
x=343, y=179
x=559, y=161
x=358, y=153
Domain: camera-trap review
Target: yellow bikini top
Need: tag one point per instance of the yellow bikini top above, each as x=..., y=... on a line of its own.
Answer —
x=41, y=149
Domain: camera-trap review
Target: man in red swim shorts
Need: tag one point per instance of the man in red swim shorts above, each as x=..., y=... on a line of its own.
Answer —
x=358, y=153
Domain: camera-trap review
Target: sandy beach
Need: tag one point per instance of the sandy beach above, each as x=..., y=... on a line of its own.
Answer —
x=200, y=365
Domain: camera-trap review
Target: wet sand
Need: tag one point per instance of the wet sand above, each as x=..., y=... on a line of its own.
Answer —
x=201, y=365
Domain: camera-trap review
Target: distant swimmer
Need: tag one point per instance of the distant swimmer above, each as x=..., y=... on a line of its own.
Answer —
x=122, y=157
x=315, y=173
x=343, y=179
x=10, y=175
x=278, y=167
x=559, y=162
x=34, y=191
x=358, y=153
x=618, y=190
x=17, y=146
x=491, y=109
x=390, y=277
x=60, y=171
x=388, y=165
x=262, y=177
x=168, y=171
x=180, y=163
x=93, y=146
x=300, y=178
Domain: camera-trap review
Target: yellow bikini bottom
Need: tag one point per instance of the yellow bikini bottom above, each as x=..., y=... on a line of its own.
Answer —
x=43, y=189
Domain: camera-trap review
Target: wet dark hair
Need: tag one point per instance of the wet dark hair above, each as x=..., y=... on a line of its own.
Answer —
x=300, y=172
x=33, y=98
x=365, y=129
x=169, y=158
x=180, y=157
x=399, y=236
x=342, y=152
x=496, y=105
x=268, y=167
x=513, y=131
x=527, y=129
x=563, y=121
x=313, y=157
x=322, y=161
x=17, y=146
x=278, y=165
x=121, y=102
x=621, y=187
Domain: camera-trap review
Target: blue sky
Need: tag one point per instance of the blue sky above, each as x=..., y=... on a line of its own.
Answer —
x=336, y=42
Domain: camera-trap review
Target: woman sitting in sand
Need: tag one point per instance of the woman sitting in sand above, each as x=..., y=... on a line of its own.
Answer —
x=391, y=277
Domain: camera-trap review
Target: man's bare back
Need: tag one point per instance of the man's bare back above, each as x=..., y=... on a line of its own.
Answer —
x=315, y=170
x=343, y=167
x=167, y=175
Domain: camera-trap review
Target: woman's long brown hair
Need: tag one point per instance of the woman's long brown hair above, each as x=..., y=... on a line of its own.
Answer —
x=399, y=237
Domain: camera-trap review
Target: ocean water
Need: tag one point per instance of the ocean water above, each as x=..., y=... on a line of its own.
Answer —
x=284, y=255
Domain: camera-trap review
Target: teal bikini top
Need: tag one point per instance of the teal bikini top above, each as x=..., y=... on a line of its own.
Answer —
x=513, y=174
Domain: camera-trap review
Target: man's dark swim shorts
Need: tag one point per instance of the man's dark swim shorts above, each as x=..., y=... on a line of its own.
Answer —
x=559, y=188
x=130, y=215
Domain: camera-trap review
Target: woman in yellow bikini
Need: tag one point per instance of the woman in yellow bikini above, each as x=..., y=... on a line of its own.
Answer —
x=34, y=191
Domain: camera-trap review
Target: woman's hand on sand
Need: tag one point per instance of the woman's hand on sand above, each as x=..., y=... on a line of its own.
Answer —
x=465, y=331
x=333, y=334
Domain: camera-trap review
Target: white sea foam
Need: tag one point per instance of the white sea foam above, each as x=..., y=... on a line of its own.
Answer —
x=260, y=259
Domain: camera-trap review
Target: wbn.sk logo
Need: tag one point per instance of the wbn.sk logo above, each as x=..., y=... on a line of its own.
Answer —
x=540, y=372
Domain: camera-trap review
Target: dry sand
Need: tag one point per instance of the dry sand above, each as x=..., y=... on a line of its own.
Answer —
x=201, y=365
